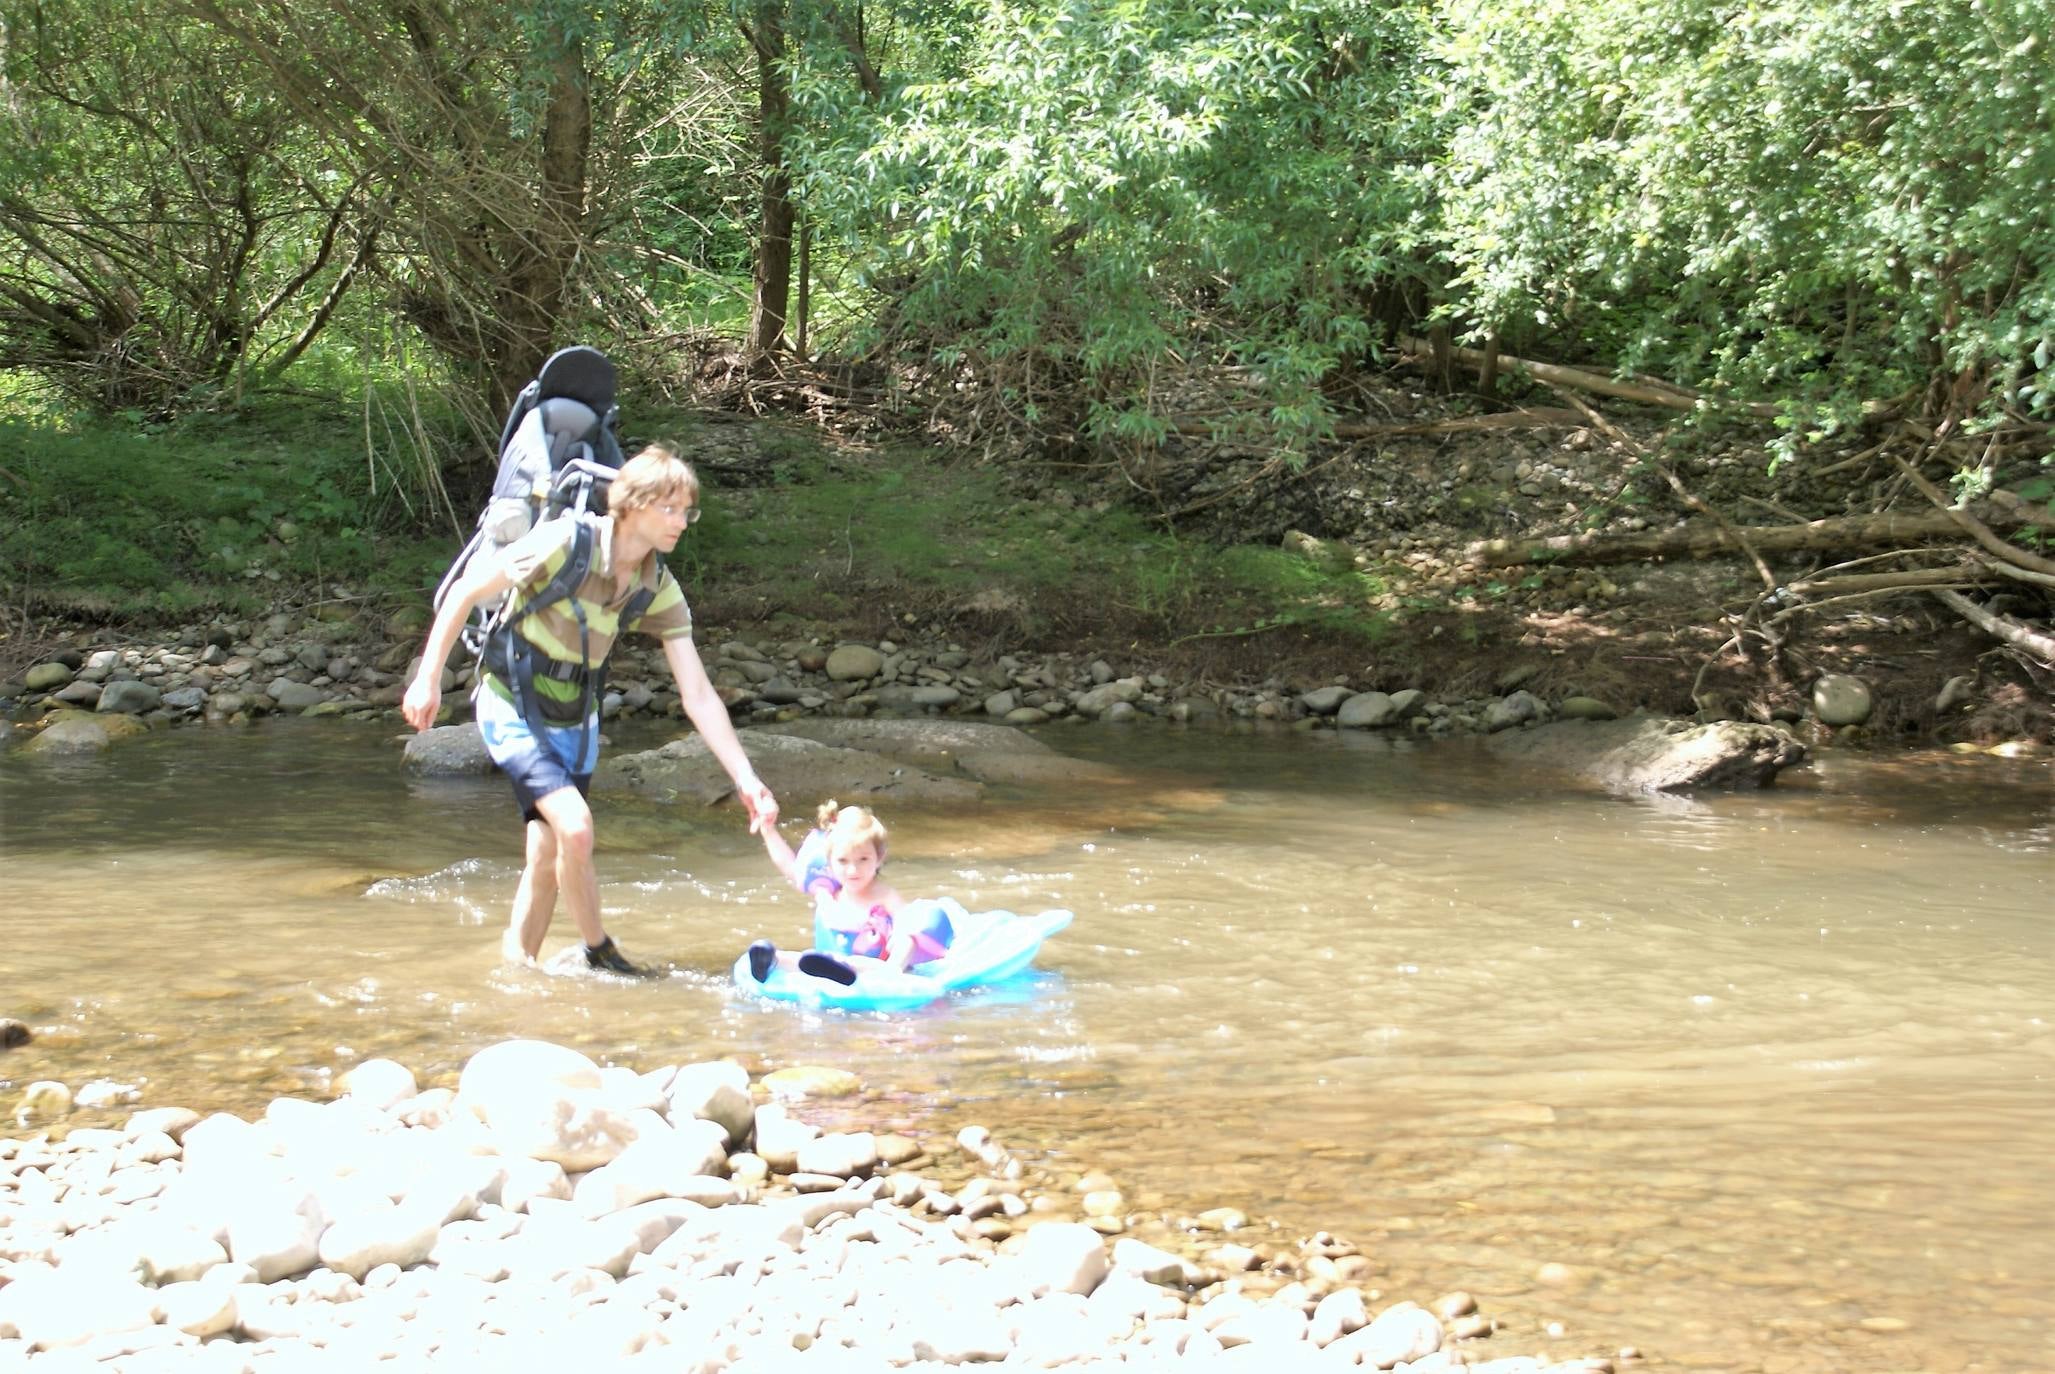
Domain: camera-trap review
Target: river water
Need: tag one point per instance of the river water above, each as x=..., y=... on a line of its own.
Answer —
x=1755, y=1082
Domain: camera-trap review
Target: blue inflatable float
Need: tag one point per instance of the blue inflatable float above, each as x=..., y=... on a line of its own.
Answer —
x=989, y=946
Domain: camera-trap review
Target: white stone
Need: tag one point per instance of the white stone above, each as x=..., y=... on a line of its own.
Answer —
x=779, y=1136
x=563, y=1241
x=1400, y=1333
x=1266, y=1324
x=840, y=1154
x=168, y=1252
x=529, y=1180
x=716, y=1091
x=380, y=1083
x=1136, y=1299
x=950, y=1337
x=275, y=1228
x=1145, y=1261
x=654, y=1167
x=149, y=1147
x=632, y=1091
x=1060, y=1257
x=44, y=1098
x=57, y=1310
x=363, y=1240
x=1336, y=1315
x=545, y=1102
x=105, y=1092
x=223, y=1142
x=171, y=1121
x=197, y=1308
x=431, y=1109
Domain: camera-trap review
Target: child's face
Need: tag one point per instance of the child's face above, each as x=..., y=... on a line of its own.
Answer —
x=855, y=865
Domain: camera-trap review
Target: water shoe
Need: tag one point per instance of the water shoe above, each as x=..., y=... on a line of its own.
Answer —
x=606, y=956
x=827, y=966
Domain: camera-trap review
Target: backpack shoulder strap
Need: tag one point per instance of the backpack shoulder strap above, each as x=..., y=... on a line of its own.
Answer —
x=565, y=580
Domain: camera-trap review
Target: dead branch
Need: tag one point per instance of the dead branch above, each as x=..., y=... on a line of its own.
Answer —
x=1626, y=444
x=2019, y=636
x=1975, y=528
x=1964, y=574
x=1700, y=541
x=2007, y=569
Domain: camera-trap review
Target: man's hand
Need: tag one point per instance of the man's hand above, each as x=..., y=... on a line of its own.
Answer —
x=759, y=803
x=424, y=699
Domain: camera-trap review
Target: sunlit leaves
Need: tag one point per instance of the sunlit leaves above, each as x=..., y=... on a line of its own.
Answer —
x=1108, y=185
x=1813, y=202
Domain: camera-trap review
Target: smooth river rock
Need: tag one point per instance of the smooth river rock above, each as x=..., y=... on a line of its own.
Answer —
x=1841, y=699
x=1650, y=754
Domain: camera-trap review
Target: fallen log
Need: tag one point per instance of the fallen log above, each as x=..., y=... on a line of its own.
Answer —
x=2000, y=627
x=1647, y=391
x=1534, y=417
x=1706, y=540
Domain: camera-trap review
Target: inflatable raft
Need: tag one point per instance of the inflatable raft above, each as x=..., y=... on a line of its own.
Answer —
x=990, y=946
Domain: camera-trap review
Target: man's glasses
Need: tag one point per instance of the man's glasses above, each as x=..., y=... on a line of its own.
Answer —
x=690, y=514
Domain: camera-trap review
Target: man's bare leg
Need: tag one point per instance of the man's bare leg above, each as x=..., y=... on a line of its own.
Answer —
x=535, y=900
x=577, y=881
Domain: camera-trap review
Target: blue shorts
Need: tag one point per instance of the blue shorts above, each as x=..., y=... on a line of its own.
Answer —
x=562, y=757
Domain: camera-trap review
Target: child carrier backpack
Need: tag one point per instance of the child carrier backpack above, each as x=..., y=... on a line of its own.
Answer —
x=558, y=453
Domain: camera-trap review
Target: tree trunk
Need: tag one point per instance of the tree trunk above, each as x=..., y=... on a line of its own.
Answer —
x=538, y=285
x=774, y=230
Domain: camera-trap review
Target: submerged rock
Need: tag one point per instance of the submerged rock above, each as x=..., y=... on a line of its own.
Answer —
x=1651, y=754
x=77, y=732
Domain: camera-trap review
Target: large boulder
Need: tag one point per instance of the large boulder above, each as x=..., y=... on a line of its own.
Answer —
x=543, y=1101
x=448, y=751
x=1652, y=754
x=80, y=732
x=919, y=741
x=978, y=749
x=686, y=770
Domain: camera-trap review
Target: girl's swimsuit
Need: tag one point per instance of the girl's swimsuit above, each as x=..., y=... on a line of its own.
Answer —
x=926, y=921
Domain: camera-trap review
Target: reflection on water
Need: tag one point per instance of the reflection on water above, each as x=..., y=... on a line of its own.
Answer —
x=1768, y=1072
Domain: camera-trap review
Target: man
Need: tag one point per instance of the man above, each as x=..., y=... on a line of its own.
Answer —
x=538, y=699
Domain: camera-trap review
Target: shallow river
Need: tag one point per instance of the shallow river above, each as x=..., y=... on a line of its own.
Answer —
x=1769, y=1073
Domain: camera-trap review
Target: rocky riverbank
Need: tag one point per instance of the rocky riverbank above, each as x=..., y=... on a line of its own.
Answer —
x=547, y=1209
x=85, y=695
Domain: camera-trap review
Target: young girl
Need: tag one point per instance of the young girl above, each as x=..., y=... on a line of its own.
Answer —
x=856, y=914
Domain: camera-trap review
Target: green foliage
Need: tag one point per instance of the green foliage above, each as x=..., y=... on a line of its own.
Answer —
x=146, y=517
x=162, y=232
x=1107, y=190
x=1104, y=216
x=1820, y=204
x=837, y=530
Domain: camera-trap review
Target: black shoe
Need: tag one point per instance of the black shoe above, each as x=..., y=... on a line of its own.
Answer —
x=762, y=955
x=607, y=957
x=826, y=966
